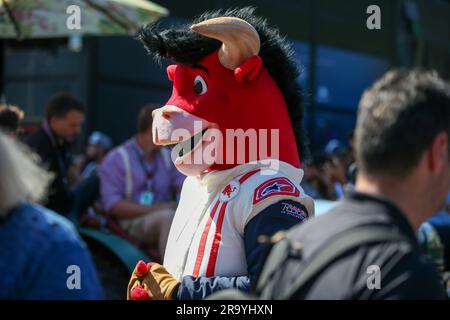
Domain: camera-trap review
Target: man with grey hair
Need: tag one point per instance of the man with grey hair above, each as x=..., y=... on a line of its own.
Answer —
x=365, y=247
x=41, y=256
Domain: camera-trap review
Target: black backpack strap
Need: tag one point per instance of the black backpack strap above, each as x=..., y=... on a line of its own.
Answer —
x=334, y=248
x=275, y=260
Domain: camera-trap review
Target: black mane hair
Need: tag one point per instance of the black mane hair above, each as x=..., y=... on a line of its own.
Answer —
x=185, y=46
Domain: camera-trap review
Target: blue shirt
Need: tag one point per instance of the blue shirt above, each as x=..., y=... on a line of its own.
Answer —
x=165, y=179
x=37, y=249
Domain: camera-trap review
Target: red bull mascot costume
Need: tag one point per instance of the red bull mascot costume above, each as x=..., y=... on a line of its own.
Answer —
x=233, y=76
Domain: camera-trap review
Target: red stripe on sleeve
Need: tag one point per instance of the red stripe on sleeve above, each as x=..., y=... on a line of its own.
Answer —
x=247, y=175
x=216, y=242
x=203, y=239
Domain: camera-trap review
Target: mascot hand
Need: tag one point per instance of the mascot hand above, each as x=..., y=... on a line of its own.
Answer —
x=151, y=281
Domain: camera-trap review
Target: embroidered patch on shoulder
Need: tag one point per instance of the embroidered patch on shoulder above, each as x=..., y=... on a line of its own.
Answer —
x=294, y=209
x=275, y=186
x=230, y=191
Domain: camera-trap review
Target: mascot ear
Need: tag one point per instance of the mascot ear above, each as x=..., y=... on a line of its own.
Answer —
x=248, y=69
x=171, y=71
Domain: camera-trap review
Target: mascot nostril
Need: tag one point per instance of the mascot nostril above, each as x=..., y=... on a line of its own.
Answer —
x=233, y=74
x=166, y=114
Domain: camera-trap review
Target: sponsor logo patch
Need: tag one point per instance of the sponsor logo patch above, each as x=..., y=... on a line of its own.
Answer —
x=294, y=211
x=275, y=186
x=230, y=191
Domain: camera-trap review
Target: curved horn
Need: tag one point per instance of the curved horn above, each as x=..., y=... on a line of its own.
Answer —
x=239, y=39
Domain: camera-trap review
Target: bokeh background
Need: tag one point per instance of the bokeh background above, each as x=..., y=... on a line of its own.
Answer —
x=337, y=54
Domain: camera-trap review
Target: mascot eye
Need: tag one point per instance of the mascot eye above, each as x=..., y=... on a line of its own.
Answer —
x=200, y=86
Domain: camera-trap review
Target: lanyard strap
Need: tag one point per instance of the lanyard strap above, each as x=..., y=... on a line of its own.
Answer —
x=148, y=174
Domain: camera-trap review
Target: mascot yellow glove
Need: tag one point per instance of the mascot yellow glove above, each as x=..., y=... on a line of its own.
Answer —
x=151, y=281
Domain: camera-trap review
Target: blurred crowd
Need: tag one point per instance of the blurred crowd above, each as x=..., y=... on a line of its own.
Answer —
x=330, y=172
x=130, y=189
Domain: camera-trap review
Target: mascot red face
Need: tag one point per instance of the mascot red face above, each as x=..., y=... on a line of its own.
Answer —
x=222, y=88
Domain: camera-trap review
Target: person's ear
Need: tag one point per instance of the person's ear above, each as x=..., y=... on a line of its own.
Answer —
x=171, y=71
x=248, y=69
x=438, y=155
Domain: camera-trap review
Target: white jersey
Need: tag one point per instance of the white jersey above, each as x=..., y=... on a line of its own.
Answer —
x=206, y=236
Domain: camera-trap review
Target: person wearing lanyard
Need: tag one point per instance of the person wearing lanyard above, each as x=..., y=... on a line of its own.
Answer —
x=147, y=196
x=65, y=116
x=139, y=186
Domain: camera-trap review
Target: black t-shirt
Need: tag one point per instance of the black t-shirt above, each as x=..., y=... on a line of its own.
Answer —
x=404, y=272
x=56, y=159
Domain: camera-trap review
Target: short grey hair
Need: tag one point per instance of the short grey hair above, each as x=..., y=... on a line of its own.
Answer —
x=398, y=118
x=21, y=177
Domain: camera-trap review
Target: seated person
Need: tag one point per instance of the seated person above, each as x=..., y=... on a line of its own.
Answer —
x=42, y=256
x=139, y=185
x=98, y=147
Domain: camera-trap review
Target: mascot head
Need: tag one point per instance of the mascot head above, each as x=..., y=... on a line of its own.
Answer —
x=235, y=96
